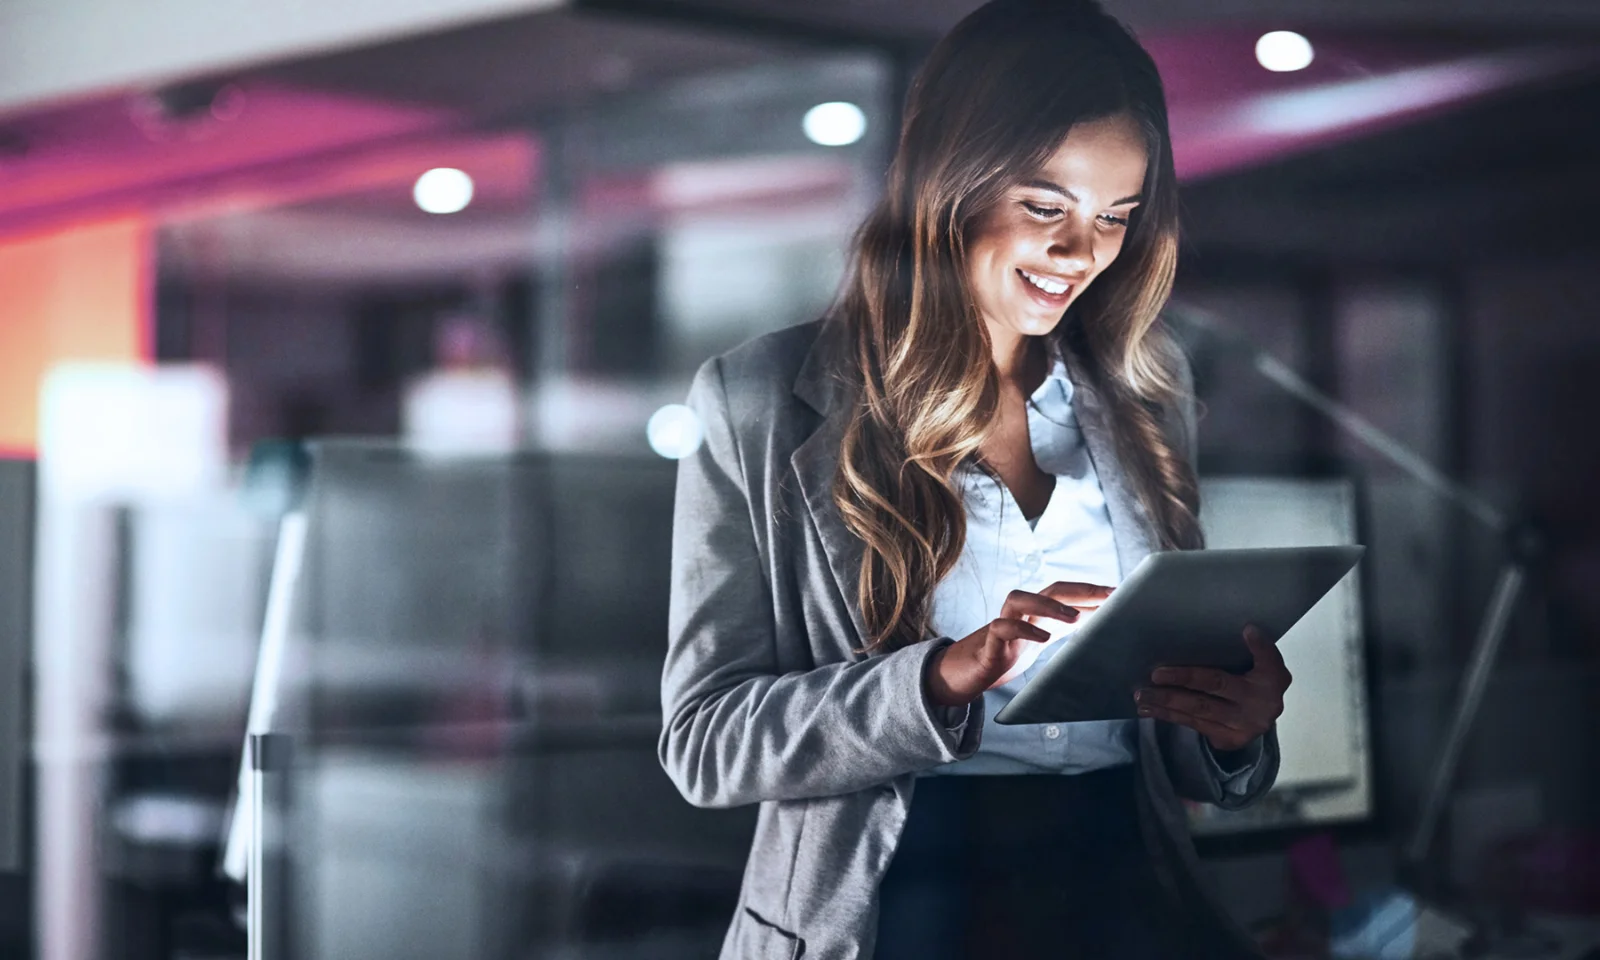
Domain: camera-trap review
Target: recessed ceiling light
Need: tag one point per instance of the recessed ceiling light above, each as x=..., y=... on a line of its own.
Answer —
x=834, y=124
x=1283, y=51
x=443, y=190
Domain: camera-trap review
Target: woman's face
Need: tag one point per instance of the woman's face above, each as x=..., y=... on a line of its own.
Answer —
x=1051, y=234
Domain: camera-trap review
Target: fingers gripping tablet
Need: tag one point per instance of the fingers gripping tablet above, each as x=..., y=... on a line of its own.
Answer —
x=1178, y=608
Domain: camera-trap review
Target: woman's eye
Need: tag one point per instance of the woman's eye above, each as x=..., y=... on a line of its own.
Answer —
x=1114, y=220
x=1039, y=211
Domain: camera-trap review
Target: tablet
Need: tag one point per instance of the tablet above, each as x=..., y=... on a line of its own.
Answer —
x=1183, y=608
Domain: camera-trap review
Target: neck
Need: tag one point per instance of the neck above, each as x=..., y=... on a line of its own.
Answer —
x=1020, y=360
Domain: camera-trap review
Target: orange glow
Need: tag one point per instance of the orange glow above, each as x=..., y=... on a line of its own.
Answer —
x=82, y=293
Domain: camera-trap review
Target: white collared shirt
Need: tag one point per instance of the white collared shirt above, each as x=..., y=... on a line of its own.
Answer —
x=1071, y=540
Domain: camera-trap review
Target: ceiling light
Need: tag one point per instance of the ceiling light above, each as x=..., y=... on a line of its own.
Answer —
x=674, y=431
x=1283, y=51
x=834, y=124
x=443, y=190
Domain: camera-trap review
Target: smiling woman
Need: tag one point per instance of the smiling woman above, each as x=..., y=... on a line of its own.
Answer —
x=962, y=458
x=1057, y=231
x=1000, y=176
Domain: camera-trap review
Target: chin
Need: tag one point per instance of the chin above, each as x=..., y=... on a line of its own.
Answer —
x=1036, y=326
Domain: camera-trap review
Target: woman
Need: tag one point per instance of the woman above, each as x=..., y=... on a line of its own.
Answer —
x=896, y=509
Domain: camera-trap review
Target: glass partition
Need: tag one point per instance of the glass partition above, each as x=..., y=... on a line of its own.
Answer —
x=471, y=687
x=469, y=600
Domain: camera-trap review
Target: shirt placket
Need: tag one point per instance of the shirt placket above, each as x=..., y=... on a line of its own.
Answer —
x=1044, y=437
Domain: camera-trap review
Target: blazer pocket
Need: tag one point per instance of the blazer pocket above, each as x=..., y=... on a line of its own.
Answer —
x=761, y=939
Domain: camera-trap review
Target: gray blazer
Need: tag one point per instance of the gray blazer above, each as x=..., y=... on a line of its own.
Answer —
x=764, y=702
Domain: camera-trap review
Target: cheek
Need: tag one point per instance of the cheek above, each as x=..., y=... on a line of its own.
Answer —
x=988, y=263
x=978, y=253
x=1003, y=240
x=980, y=268
x=1107, y=250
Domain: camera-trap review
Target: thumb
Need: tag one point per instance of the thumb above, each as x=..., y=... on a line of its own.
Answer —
x=1262, y=650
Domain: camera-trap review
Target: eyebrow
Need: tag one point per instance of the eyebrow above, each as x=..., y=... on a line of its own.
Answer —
x=1054, y=187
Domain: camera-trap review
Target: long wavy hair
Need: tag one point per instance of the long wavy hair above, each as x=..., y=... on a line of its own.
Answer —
x=992, y=103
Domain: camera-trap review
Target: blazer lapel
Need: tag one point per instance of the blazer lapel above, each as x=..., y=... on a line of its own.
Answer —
x=815, y=462
x=1130, y=525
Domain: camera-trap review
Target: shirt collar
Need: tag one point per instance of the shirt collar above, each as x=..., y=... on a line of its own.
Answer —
x=1056, y=378
x=1053, y=397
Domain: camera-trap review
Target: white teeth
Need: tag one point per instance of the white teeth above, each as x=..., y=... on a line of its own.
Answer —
x=1054, y=287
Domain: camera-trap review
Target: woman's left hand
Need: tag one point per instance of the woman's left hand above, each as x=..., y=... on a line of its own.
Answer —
x=1229, y=709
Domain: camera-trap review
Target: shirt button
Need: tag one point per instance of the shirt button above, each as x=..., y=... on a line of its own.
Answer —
x=1052, y=732
x=1030, y=560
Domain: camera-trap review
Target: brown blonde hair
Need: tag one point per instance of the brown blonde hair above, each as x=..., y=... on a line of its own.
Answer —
x=994, y=100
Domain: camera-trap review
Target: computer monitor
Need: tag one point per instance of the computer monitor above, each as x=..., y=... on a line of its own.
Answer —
x=1325, y=730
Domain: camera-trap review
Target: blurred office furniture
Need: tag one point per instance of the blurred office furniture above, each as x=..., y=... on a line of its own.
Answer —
x=1521, y=547
x=472, y=685
x=1325, y=730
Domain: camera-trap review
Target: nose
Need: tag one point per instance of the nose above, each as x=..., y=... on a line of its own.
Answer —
x=1072, y=248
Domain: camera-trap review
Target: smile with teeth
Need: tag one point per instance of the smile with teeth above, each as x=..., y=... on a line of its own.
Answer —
x=1053, y=287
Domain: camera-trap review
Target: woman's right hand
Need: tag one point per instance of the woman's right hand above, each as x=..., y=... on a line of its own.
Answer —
x=997, y=651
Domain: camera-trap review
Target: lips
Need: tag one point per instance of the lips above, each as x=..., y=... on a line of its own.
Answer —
x=1044, y=298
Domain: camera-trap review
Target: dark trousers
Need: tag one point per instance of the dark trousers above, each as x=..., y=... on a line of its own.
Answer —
x=1027, y=866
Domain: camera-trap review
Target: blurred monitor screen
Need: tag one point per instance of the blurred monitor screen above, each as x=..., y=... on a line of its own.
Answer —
x=1324, y=732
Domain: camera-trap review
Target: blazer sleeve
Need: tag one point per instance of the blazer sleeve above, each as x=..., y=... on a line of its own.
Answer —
x=1187, y=756
x=736, y=728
